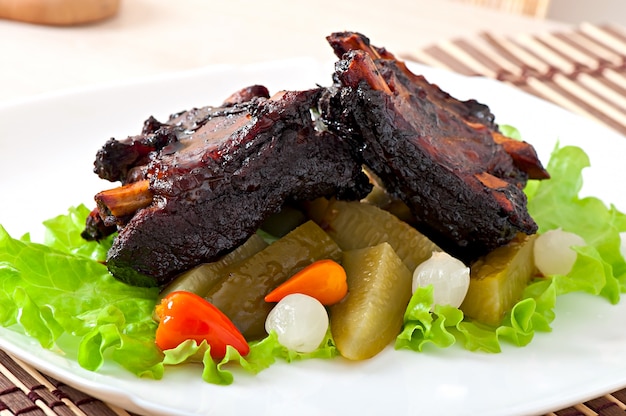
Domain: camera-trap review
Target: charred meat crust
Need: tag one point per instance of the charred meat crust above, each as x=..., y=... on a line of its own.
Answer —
x=123, y=160
x=471, y=110
x=198, y=185
x=450, y=205
x=430, y=150
x=213, y=188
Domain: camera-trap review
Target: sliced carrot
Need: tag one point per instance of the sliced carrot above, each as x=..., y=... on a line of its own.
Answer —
x=325, y=280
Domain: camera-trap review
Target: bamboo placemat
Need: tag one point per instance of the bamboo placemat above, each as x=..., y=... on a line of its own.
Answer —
x=582, y=70
x=26, y=391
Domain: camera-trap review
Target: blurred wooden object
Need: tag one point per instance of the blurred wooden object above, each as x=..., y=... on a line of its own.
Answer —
x=535, y=8
x=58, y=12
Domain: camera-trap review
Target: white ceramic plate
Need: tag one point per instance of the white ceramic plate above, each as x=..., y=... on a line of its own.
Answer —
x=47, y=147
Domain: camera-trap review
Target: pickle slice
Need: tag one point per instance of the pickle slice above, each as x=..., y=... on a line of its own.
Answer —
x=379, y=197
x=316, y=208
x=498, y=279
x=201, y=278
x=370, y=316
x=240, y=293
x=280, y=223
x=355, y=225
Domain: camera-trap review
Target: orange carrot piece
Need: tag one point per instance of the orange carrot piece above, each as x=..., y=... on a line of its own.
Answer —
x=325, y=280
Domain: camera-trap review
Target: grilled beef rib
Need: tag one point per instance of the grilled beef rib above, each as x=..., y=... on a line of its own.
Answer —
x=198, y=185
x=443, y=157
x=221, y=173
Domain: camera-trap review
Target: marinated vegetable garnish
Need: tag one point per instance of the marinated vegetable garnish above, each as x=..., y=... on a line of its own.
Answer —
x=324, y=280
x=370, y=316
x=241, y=292
x=499, y=279
x=202, y=278
x=449, y=277
x=300, y=321
x=554, y=253
x=355, y=225
x=184, y=315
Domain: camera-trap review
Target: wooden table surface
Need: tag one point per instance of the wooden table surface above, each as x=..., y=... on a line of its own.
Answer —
x=150, y=37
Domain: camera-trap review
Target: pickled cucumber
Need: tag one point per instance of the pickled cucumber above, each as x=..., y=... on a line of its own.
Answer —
x=316, y=209
x=498, y=279
x=355, y=225
x=201, y=278
x=280, y=223
x=380, y=198
x=240, y=293
x=370, y=316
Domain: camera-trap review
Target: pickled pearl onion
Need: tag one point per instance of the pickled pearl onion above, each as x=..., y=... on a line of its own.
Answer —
x=449, y=276
x=300, y=321
x=553, y=251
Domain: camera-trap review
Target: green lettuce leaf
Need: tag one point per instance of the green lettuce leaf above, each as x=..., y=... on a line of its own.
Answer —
x=64, y=234
x=510, y=131
x=60, y=289
x=421, y=326
x=262, y=354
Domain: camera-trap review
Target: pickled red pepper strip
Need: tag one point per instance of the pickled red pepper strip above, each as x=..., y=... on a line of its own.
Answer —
x=185, y=315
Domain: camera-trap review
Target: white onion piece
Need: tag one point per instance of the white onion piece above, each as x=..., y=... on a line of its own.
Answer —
x=300, y=321
x=449, y=276
x=553, y=251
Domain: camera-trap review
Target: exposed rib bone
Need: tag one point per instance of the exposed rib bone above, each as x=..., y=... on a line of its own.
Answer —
x=124, y=200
